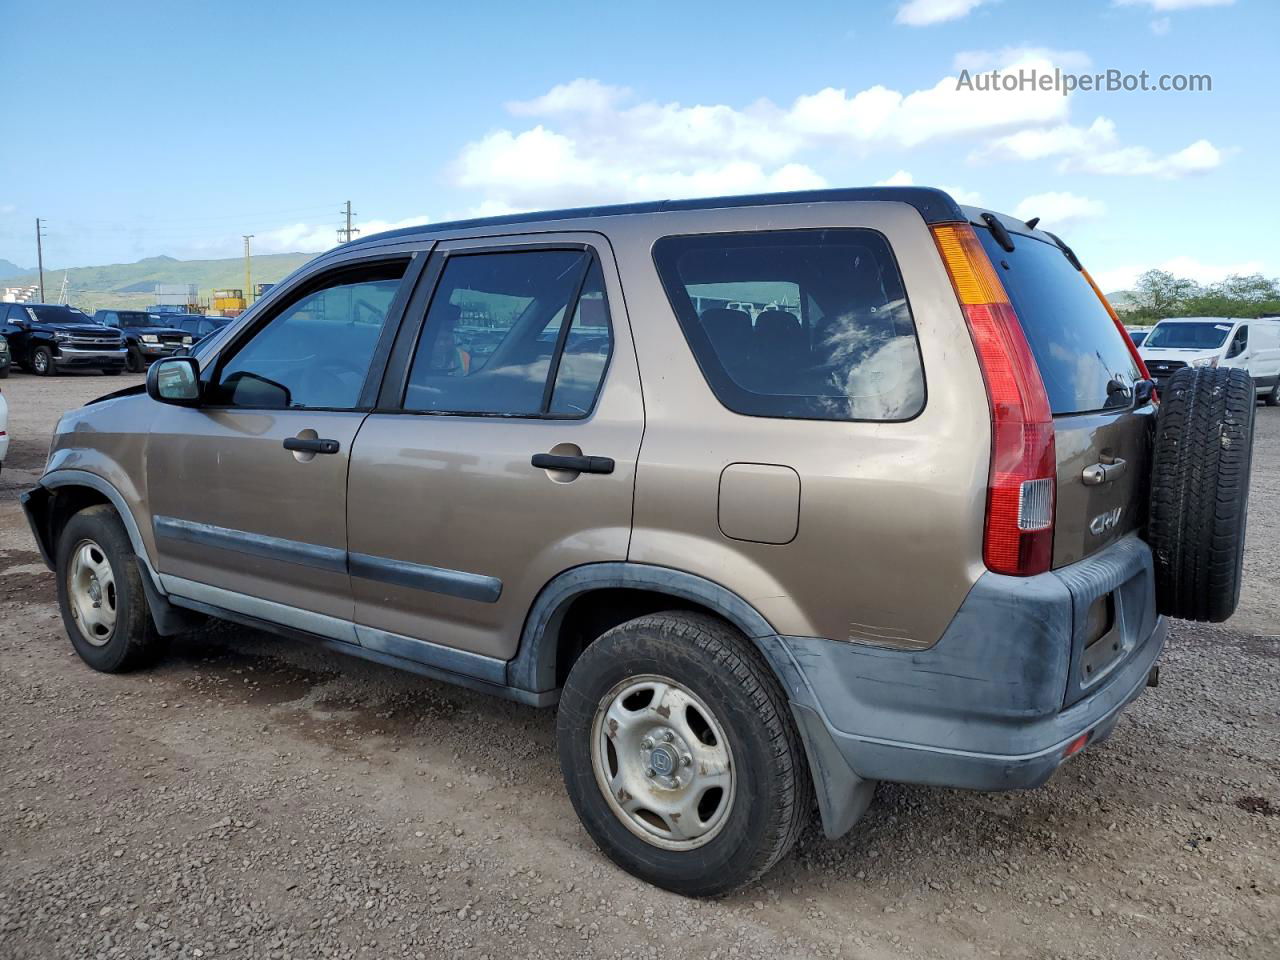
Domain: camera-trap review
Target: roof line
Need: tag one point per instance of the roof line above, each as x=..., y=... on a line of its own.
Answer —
x=935, y=206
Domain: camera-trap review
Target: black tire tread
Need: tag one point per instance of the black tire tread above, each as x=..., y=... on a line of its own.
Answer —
x=1199, y=492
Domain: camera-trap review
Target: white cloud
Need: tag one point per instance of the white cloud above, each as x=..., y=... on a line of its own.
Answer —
x=308, y=238
x=1041, y=142
x=961, y=195
x=1199, y=157
x=1163, y=5
x=576, y=96
x=1056, y=208
x=924, y=13
x=1123, y=278
x=973, y=60
x=904, y=178
x=589, y=142
x=7, y=208
x=1161, y=26
x=1096, y=149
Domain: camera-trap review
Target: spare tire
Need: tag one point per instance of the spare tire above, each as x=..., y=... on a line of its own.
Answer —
x=1200, y=491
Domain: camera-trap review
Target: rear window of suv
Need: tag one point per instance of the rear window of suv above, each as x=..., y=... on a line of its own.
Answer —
x=807, y=324
x=1084, y=362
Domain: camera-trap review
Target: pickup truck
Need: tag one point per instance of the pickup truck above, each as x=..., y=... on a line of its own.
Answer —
x=147, y=336
x=45, y=338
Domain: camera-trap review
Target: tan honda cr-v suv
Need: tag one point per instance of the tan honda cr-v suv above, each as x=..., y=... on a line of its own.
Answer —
x=774, y=496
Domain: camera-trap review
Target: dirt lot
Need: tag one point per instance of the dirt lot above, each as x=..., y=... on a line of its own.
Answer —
x=253, y=797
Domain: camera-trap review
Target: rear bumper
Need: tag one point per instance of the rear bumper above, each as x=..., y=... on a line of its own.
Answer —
x=996, y=702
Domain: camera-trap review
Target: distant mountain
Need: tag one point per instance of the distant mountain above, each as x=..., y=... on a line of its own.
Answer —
x=8, y=270
x=132, y=284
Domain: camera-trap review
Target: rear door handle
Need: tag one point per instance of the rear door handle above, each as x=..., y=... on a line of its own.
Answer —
x=304, y=445
x=1100, y=473
x=551, y=461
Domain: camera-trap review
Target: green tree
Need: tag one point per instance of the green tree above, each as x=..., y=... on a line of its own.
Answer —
x=1158, y=293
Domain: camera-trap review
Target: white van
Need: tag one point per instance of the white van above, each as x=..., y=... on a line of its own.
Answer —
x=1252, y=345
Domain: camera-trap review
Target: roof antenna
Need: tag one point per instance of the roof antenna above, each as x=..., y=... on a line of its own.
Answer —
x=1031, y=224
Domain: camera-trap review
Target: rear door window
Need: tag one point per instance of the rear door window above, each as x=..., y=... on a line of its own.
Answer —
x=806, y=324
x=495, y=341
x=1083, y=358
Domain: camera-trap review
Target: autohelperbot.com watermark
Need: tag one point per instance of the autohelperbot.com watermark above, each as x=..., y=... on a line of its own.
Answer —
x=1032, y=79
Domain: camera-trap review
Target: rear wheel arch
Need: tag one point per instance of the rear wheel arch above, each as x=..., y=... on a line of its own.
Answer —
x=580, y=604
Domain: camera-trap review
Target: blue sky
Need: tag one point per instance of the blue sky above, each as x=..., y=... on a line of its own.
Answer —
x=174, y=128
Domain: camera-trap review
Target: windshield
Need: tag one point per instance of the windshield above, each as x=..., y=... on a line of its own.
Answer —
x=1188, y=336
x=138, y=320
x=54, y=314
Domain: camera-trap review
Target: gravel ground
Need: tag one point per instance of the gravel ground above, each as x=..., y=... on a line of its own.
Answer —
x=254, y=797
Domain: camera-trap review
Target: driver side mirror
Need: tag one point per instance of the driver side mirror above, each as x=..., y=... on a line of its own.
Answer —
x=1237, y=347
x=175, y=380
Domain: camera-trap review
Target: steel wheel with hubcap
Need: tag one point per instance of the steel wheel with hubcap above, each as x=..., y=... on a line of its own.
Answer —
x=663, y=762
x=100, y=593
x=679, y=753
x=91, y=589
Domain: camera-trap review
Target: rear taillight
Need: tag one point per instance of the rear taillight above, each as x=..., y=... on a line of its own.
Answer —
x=1018, y=538
x=1133, y=347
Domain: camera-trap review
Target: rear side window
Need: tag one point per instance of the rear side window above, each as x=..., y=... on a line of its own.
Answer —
x=1083, y=359
x=807, y=324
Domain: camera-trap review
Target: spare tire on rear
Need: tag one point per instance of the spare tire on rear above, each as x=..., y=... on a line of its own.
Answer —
x=1200, y=491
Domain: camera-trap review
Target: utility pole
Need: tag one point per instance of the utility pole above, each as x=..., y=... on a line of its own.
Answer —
x=347, y=234
x=40, y=256
x=248, y=280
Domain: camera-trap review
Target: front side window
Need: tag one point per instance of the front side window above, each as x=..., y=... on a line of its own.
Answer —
x=1239, y=343
x=494, y=341
x=316, y=352
x=809, y=324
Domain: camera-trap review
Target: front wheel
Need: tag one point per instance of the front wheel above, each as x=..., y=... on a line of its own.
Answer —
x=100, y=594
x=1272, y=399
x=679, y=754
x=41, y=361
x=133, y=361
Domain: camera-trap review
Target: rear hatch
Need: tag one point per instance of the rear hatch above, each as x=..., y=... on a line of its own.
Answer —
x=1089, y=373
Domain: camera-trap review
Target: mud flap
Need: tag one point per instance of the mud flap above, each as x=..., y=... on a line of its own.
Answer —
x=843, y=796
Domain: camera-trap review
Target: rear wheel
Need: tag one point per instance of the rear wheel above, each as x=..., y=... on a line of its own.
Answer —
x=100, y=594
x=41, y=361
x=680, y=756
x=1273, y=398
x=1200, y=491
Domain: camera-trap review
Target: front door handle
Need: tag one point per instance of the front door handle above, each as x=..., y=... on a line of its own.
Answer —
x=552, y=461
x=306, y=445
